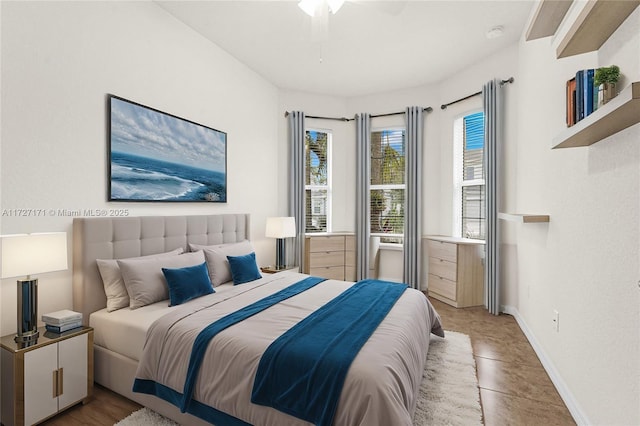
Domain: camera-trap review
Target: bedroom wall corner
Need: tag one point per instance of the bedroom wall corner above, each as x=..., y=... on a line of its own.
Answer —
x=60, y=60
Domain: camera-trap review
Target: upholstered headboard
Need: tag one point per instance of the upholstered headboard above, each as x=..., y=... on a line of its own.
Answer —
x=121, y=237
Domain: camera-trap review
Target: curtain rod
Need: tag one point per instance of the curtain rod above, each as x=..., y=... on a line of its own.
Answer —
x=502, y=83
x=426, y=109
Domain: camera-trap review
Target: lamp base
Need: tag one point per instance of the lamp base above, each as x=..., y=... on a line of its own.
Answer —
x=281, y=256
x=26, y=339
x=27, y=311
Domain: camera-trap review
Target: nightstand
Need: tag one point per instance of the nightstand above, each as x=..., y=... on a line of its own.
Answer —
x=46, y=377
x=273, y=270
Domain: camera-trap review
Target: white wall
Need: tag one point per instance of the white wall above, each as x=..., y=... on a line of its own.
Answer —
x=585, y=262
x=60, y=59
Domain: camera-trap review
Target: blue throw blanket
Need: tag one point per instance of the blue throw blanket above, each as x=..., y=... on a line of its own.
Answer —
x=208, y=333
x=303, y=371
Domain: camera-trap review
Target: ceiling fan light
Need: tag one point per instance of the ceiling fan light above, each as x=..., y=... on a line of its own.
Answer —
x=309, y=6
x=335, y=5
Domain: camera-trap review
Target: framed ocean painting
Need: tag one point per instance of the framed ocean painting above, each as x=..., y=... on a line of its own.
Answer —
x=156, y=156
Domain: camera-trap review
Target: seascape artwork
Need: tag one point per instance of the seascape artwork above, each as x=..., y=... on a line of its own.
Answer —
x=155, y=156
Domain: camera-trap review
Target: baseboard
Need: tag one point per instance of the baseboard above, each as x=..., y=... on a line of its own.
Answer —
x=572, y=404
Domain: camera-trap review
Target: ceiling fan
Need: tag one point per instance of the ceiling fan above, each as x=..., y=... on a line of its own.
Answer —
x=315, y=7
x=310, y=7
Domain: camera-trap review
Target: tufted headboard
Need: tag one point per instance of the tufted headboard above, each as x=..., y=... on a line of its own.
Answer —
x=121, y=237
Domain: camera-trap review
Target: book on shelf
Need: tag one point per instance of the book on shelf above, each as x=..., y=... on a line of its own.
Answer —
x=571, y=102
x=63, y=328
x=62, y=317
x=582, y=96
x=588, y=91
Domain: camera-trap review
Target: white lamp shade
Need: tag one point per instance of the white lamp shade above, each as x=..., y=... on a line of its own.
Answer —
x=281, y=227
x=28, y=254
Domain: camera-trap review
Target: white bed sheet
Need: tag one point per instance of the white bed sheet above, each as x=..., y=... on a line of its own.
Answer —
x=124, y=331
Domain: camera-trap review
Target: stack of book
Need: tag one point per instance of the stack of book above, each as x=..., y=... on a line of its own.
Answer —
x=61, y=321
x=582, y=96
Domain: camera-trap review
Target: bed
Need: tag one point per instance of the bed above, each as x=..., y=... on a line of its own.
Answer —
x=396, y=351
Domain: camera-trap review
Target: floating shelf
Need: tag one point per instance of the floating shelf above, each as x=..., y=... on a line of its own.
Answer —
x=547, y=18
x=524, y=218
x=595, y=24
x=619, y=113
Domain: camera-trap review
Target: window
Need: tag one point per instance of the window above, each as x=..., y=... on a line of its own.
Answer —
x=469, y=199
x=317, y=181
x=387, y=185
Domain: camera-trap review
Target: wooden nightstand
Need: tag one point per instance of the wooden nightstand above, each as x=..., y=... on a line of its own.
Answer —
x=40, y=380
x=274, y=270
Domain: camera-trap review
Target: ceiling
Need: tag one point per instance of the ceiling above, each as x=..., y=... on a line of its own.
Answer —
x=366, y=47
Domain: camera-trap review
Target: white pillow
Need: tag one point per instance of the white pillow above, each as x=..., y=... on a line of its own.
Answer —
x=144, y=279
x=216, y=256
x=114, y=288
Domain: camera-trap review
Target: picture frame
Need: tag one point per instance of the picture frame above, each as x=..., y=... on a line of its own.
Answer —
x=156, y=156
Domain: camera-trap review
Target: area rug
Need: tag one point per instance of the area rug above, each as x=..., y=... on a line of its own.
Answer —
x=448, y=395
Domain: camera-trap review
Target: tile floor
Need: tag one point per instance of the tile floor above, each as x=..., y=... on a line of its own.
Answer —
x=514, y=387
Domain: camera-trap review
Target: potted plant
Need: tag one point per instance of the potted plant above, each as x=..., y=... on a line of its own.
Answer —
x=606, y=78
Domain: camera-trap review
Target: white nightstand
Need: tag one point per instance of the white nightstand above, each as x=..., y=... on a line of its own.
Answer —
x=40, y=380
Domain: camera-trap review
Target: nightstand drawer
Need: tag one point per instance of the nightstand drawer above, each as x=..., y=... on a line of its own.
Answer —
x=443, y=250
x=326, y=258
x=442, y=268
x=329, y=272
x=442, y=286
x=324, y=244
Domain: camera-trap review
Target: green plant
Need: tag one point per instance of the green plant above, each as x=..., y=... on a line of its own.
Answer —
x=606, y=75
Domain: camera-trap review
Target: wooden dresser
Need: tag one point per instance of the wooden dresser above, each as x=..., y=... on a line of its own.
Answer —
x=456, y=271
x=331, y=256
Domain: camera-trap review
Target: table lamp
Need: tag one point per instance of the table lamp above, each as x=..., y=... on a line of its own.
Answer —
x=29, y=254
x=280, y=228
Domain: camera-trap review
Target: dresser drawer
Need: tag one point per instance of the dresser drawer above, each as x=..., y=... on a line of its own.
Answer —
x=350, y=258
x=326, y=258
x=442, y=250
x=329, y=272
x=442, y=287
x=442, y=268
x=329, y=243
x=349, y=273
x=350, y=243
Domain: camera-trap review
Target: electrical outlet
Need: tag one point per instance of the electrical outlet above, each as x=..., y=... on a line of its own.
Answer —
x=556, y=320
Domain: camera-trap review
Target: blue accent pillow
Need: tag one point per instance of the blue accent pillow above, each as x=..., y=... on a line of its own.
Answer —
x=187, y=283
x=244, y=268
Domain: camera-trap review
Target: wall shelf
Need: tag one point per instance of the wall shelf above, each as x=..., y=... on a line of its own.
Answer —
x=619, y=113
x=524, y=218
x=595, y=24
x=547, y=18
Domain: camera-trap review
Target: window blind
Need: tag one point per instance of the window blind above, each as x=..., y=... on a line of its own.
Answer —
x=387, y=184
x=473, y=196
x=317, y=193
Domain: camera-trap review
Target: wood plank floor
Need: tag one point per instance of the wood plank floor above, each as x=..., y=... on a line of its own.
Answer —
x=514, y=388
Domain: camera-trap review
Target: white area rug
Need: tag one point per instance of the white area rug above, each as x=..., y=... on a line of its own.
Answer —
x=448, y=395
